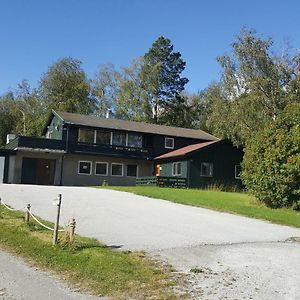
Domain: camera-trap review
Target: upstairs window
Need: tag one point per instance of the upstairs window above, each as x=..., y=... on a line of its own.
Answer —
x=176, y=169
x=206, y=169
x=237, y=171
x=103, y=137
x=86, y=135
x=135, y=140
x=119, y=139
x=169, y=143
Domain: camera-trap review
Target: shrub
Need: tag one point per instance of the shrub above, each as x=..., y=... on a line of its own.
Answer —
x=271, y=165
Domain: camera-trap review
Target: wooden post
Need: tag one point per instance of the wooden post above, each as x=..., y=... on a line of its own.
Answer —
x=0, y=209
x=27, y=215
x=55, y=233
x=72, y=226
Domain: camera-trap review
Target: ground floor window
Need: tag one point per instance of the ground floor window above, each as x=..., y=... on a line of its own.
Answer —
x=176, y=169
x=206, y=169
x=132, y=170
x=116, y=169
x=101, y=168
x=85, y=167
x=237, y=171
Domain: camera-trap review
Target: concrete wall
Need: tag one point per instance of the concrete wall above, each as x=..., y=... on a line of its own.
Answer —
x=71, y=176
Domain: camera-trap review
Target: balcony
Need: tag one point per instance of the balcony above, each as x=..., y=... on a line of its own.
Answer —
x=34, y=143
x=110, y=150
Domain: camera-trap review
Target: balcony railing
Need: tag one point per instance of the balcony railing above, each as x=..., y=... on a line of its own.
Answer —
x=35, y=143
x=110, y=150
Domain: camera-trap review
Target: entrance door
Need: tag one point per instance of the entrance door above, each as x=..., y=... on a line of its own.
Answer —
x=45, y=171
x=38, y=171
x=2, y=161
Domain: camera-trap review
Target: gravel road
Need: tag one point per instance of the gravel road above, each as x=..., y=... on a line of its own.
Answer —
x=232, y=256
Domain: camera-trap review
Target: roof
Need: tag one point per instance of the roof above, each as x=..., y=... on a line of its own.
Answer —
x=185, y=150
x=93, y=121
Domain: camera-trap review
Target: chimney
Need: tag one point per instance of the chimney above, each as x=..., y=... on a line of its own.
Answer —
x=10, y=137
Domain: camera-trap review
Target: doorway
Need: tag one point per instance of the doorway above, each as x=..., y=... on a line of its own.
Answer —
x=38, y=171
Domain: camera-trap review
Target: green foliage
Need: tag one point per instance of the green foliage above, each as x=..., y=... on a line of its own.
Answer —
x=160, y=77
x=256, y=85
x=64, y=87
x=237, y=203
x=271, y=166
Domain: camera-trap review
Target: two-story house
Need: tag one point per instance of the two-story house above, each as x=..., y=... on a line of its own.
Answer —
x=87, y=150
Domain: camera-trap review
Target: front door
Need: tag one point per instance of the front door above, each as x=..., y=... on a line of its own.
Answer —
x=45, y=171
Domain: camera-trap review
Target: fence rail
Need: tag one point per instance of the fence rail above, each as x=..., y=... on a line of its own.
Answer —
x=162, y=181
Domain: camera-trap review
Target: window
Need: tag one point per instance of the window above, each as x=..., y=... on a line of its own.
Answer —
x=207, y=169
x=86, y=135
x=119, y=139
x=103, y=137
x=85, y=167
x=237, y=171
x=132, y=170
x=169, y=143
x=117, y=169
x=176, y=169
x=101, y=168
x=135, y=140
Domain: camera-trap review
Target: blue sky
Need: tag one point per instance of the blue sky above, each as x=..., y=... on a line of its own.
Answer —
x=35, y=33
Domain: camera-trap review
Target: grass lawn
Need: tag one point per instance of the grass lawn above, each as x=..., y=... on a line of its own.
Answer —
x=237, y=203
x=96, y=268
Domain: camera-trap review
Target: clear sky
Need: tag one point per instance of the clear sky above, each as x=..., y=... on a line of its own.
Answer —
x=35, y=33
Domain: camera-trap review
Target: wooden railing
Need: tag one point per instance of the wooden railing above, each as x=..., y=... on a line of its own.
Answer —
x=162, y=181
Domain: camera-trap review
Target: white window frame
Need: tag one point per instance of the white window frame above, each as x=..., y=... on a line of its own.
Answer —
x=137, y=170
x=85, y=161
x=175, y=168
x=236, y=176
x=169, y=138
x=112, y=169
x=212, y=169
x=104, y=163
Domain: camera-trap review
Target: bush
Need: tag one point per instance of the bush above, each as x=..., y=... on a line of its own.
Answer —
x=271, y=165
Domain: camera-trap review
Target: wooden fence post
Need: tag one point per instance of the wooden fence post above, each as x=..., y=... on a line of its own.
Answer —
x=72, y=226
x=55, y=233
x=27, y=215
x=0, y=209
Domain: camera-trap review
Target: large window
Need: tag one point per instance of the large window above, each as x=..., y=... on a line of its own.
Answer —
x=101, y=168
x=169, y=143
x=86, y=135
x=237, y=171
x=207, y=169
x=135, y=140
x=116, y=169
x=85, y=167
x=132, y=170
x=103, y=137
x=176, y=169
x=119, y=139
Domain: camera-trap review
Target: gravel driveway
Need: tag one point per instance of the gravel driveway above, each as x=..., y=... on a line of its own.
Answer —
x=234, y=256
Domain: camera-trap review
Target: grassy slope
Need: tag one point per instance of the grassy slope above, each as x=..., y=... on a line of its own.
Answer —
x=102, y=270
x=238, y=203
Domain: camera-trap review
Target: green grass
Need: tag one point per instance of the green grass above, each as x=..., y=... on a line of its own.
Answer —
x=87, y=263
x=237, y=203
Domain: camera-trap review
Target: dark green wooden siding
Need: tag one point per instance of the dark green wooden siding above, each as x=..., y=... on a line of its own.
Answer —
x=56, y=128
x=224, y=158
